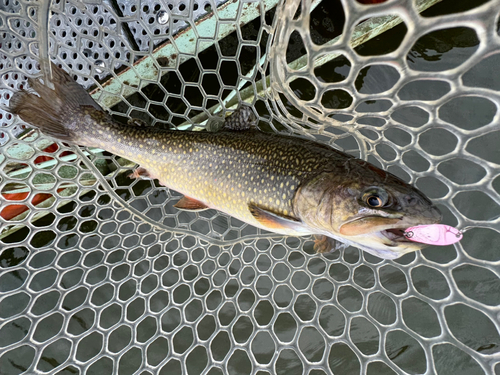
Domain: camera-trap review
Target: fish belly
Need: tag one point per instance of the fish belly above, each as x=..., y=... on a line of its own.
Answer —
x=219, y=171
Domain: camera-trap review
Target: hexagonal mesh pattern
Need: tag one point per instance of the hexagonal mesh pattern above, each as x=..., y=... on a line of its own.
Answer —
x=100, y=274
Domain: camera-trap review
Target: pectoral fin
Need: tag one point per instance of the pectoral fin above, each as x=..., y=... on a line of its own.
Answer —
x=275, y=221
x=325, y=244
x=190, y=204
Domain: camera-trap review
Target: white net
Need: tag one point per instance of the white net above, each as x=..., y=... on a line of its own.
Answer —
x=100, y=274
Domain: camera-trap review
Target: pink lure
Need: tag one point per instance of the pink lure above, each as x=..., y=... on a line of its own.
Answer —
x=435, y=234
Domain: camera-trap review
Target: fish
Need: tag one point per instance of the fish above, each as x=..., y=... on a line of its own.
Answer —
x=280, y=183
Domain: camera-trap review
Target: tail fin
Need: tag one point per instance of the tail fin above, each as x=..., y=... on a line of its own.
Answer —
x=52, y=109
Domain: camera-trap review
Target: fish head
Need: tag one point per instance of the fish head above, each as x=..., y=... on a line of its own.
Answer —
x=365, y=207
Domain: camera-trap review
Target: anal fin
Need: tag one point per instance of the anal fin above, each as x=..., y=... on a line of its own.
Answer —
x=324, y=244
x=190, y=204
x=140, y=172
x=275, y=221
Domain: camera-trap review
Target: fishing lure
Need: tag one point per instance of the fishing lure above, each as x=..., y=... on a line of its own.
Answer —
x=435, y=234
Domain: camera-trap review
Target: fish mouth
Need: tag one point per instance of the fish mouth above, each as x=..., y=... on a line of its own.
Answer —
x=383, y=232
x=385, y=235
x=387, y=243
x=396, y=236
x=369, y=224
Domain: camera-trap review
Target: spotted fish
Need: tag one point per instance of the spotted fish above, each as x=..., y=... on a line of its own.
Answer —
x=288, y=185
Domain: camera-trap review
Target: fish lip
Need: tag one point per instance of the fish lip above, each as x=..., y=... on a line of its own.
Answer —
x=401, y=226
x=377, y=227
x=389, y=216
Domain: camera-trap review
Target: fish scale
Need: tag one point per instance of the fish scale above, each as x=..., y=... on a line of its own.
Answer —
x=227, y=170
x=284, y=184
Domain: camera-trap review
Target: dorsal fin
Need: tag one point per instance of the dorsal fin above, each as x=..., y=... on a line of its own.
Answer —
x=240, y=120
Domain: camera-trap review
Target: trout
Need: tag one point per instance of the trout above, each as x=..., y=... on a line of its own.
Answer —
x=283, y=184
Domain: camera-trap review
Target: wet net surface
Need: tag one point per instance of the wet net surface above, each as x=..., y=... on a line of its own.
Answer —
x=100, y=274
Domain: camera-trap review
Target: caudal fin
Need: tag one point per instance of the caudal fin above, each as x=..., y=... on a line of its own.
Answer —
x=51, y=110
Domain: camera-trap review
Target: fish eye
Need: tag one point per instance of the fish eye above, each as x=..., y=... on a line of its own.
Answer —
x=374, y=201
x=375, y=197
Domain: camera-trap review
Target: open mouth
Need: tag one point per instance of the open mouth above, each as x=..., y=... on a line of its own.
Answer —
x=391, y=232
x=395, y=235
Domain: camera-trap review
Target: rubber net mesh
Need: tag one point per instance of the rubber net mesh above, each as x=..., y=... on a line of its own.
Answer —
x=100, y=274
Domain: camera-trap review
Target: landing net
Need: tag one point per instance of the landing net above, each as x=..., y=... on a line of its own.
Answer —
x=100, y=274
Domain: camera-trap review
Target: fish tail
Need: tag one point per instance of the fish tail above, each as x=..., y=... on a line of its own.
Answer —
x=52, y=110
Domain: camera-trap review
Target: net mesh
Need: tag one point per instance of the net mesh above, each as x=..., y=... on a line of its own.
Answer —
x=100, y=274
